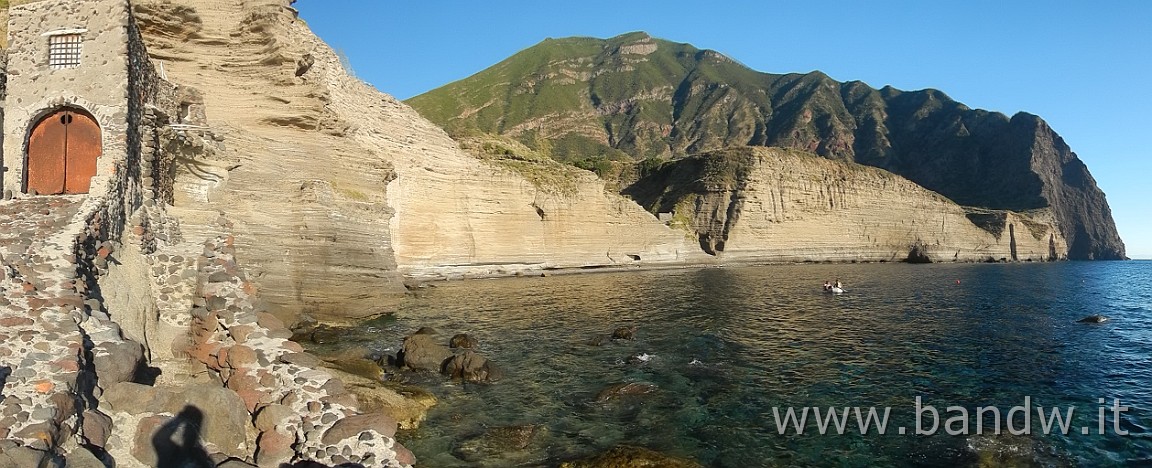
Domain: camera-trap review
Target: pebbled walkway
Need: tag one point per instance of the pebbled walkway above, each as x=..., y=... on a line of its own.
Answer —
x=41, y=343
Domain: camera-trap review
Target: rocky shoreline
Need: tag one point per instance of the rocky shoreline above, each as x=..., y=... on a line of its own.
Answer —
x=456, y=359
x=416, y=282
x=85, y=383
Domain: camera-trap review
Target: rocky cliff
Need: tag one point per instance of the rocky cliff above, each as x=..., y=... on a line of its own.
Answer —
x=335, y=189
x=769, y=204
x=637, y=97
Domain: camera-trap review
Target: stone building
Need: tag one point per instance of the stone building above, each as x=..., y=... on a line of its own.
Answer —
x=69, y=90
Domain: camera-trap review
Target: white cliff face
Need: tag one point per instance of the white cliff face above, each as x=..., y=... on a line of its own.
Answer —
x=783, y=205
x=335, y=188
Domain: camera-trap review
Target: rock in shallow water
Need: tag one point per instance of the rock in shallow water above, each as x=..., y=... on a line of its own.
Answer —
x=626, y=456
x=496, y=442
x=620, y=390
x=471, y=367
x=463, y=340
x=1097, y=318
x=624, y=333
x=422, y=351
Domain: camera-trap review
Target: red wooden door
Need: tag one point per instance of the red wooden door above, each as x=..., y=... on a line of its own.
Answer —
x=62, y=153
x=83, y=149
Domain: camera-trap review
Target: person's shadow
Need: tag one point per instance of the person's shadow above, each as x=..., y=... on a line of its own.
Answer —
x=185, y=450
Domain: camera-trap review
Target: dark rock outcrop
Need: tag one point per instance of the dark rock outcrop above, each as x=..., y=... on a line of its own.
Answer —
x=471, y=367
x=463, y=340
x=423, y=351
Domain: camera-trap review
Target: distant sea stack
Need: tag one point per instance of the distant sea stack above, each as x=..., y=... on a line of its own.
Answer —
x=634, y=97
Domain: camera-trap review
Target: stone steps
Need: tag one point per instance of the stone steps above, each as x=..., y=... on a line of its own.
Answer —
x=42, y=353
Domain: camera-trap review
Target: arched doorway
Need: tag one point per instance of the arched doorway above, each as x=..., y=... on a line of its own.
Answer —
x=62, y=152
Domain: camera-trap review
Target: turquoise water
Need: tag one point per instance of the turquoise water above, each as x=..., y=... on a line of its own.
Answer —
x=730, y=344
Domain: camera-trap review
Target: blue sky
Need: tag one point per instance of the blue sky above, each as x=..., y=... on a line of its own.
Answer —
x=1085, y=67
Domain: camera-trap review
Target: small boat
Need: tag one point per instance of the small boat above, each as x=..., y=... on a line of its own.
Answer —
x=836, y=290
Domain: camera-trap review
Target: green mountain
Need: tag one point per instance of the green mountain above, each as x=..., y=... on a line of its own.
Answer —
x=633, y=97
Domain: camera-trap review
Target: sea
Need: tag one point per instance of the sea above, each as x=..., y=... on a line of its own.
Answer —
x=729, y=351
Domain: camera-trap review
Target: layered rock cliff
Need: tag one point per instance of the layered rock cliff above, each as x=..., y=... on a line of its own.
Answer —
x=769, y=204
x=336, y=189
x=637, y=97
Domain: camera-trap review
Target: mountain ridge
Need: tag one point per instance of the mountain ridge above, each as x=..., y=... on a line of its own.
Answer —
x=635, y=97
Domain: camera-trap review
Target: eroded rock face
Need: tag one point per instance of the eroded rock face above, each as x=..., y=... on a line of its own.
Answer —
x=329, y=181
x=773, y=204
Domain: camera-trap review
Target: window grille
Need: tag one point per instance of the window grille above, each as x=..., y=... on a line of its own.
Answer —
x=64, y=51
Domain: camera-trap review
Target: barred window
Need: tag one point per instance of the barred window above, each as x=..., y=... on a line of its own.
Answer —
x=64, y=51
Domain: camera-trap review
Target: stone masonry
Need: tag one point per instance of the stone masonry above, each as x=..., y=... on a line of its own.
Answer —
x=118, y=335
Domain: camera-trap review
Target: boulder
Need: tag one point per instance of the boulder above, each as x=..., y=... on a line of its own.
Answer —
x=96, y=428
x=407, y=405
x=117, y=362
x=626, y=456
x=22, y=456
x=621, y=390
x=471, y=367
x=172, y=440
x=80, y=457
x=135, y=398
x=225, y=417
x=421, y=351
x=463, y=340
x=142, y=448
x=274, y=448
x=352, y=426
x=403, y=455
x=359, y=366
x=275, y=416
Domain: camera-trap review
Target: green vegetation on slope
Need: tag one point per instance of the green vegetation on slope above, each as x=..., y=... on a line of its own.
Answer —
x=598, y=103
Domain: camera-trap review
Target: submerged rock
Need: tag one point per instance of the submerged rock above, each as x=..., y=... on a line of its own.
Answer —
x=620, y=390
x=624, y=333
x=498, y=441
x=1097, y=318
x=1011, y=450
x=626, y=456
x=640, y=358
